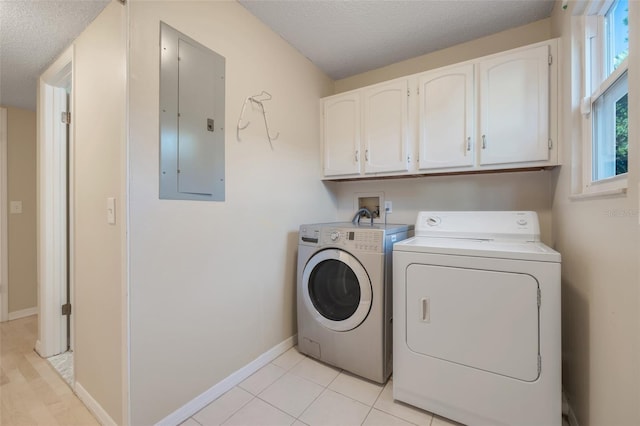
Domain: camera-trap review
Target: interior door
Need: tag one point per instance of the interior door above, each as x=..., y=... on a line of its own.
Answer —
x=481, y=319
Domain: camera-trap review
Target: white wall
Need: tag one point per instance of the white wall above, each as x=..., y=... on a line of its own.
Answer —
x=599, y=242
x=213, y=283
x=99, y=104
x=503, y=191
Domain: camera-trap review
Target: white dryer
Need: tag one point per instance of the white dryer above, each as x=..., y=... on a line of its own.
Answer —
x=344, y=295
x=476, y=304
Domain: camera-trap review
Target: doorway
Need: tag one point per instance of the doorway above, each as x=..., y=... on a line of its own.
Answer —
x=4, y=246
x=55, y=213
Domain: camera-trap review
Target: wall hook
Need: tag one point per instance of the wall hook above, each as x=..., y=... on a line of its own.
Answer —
x=258, y=100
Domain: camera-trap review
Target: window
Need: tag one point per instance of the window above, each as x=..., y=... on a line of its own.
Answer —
x=606, y=36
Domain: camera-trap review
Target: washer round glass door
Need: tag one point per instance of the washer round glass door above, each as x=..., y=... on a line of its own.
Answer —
x=336, y=289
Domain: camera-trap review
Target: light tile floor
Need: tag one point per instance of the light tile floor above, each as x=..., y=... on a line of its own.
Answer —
x=298, y=390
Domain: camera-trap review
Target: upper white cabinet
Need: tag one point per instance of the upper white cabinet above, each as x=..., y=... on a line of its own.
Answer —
x=491, y=113
x=514, y=107
x=385, y=128
x=341, y=135
x=365, y=131
x=446, y=106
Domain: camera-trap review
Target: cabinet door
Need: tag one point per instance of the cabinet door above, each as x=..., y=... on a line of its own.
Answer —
x=514, y=107
x=341, y=135
x=385, y=127
x=446, y=118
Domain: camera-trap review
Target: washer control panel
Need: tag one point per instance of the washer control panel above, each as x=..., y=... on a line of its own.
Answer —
x=354, y=239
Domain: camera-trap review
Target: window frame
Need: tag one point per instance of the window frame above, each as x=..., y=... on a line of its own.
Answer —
x=593, y=35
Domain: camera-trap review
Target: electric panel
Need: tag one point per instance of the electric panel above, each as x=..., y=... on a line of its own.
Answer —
x=192, y=99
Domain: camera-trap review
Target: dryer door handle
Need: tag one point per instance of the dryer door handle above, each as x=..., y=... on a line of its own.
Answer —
x=425, y=310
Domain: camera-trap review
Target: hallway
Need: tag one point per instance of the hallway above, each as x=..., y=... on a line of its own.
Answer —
x=31, y=391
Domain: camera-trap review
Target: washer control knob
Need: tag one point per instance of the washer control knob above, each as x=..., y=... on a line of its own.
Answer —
x=334, y=236
x=522, y=222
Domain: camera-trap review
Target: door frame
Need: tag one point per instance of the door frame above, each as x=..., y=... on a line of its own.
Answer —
x=4, y=241
x=52, y=209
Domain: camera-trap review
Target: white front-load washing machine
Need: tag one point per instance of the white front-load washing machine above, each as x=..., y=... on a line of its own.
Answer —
x=477, y=319
x=344, y=295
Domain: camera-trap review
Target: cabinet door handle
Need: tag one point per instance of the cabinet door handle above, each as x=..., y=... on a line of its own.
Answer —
x=357, y=155
x=484, y=142
x=366, y=155
x=469, y=143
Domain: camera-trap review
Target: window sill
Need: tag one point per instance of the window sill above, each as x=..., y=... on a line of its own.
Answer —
x=608, y=193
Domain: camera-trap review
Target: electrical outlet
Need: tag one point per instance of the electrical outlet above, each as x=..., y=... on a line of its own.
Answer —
x=388, y=207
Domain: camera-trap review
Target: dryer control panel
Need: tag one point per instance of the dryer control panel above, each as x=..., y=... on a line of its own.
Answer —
x=484, y=225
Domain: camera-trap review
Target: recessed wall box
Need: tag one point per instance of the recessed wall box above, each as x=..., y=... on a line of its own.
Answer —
x=372, y=201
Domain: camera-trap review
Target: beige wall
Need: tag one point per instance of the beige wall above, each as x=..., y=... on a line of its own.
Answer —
x=213, y=283
x=99, y=104
x=21, y=186
x=505, y=40
x=599, y=242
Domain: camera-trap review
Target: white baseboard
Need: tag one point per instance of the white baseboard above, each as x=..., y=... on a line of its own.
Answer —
x=213, y=393
x=93, y=406
x=23, y=313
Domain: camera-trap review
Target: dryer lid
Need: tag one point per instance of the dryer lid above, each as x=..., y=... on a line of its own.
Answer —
x=516, y=250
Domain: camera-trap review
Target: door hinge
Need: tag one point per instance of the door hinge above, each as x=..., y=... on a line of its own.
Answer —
x=550, y=144
x=66, y=309
x=550, y=59
x=65, y=117
x=539, y=298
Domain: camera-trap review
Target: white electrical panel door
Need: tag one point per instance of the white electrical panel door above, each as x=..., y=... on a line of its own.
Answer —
x=385, y=127
x=482, y=319
x=514, y=107
x=446, y=118
x=341, y=135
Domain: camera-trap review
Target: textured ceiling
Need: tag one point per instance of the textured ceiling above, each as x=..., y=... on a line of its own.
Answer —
x=344, y=38
x=32, y=34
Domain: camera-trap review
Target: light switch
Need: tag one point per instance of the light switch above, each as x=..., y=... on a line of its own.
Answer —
x=111, y=211
x=15, y=207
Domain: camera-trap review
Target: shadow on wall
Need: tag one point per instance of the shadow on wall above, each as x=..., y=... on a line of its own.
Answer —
x=575, y=349
x=292, y=271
